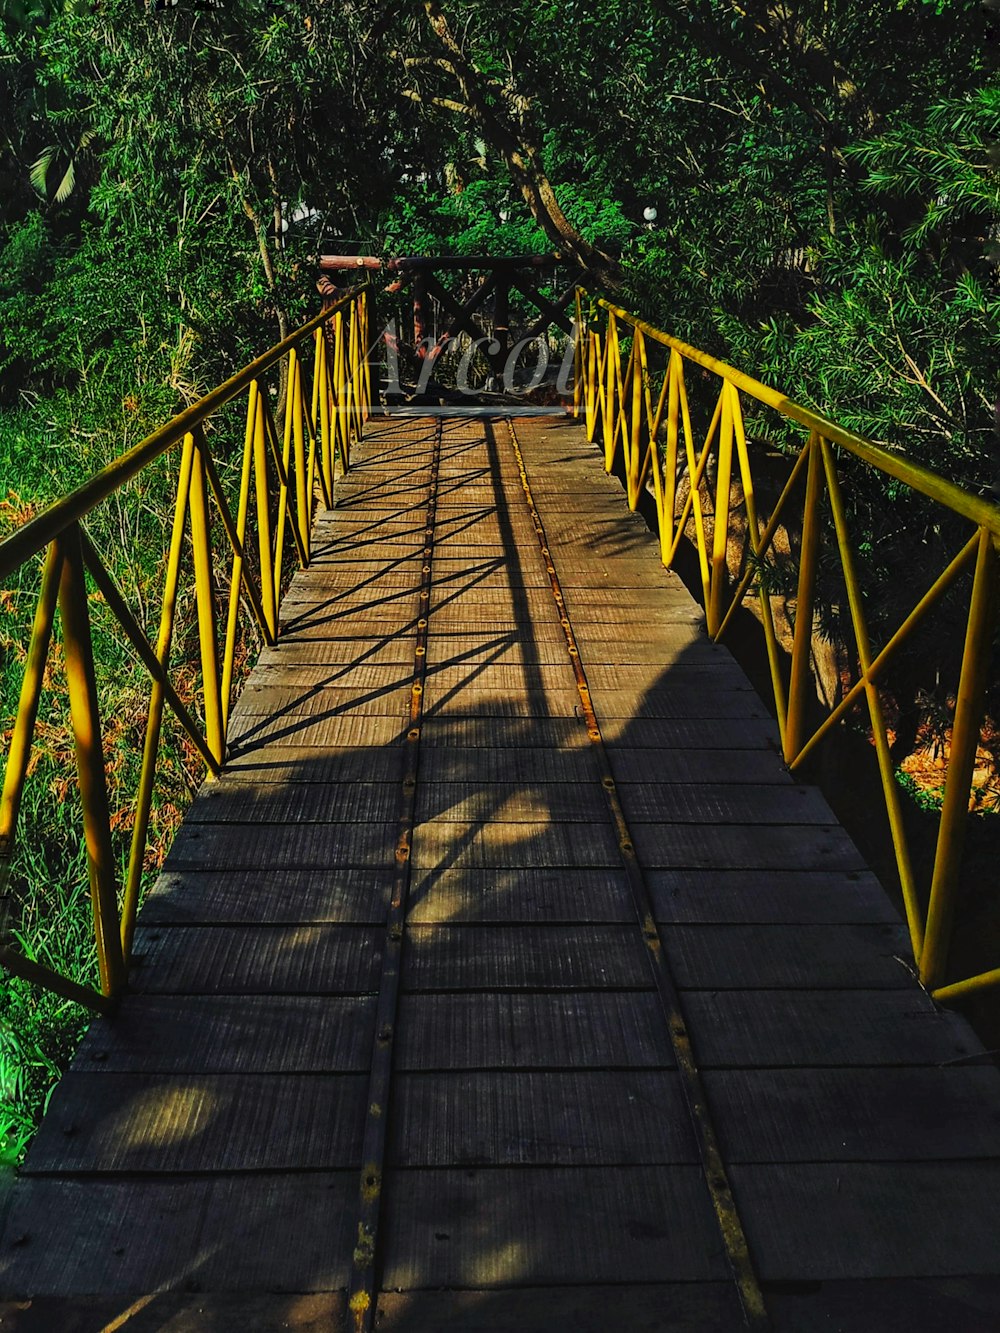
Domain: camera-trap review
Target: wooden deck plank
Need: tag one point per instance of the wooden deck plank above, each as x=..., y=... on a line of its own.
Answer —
x=680, y=1307
x=471, y=958
x=255, y=960
x=788, y=1028
x=283, y=847
x=230, y=1034
x=801, y=957
x=517, y=1227
x=158, y=1124
x=528, y=894
x=249, y=1232
x=344, y=896
x=454, y=844
x=779, y=896
x=576, y=1030
x=857, y=1115
x=749, y=846
x=899, y=1219
x=245, y=802
x=592, y=1118
x=178, y=1312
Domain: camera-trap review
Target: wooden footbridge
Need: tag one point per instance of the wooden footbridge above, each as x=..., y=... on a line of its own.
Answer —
x=504, y=978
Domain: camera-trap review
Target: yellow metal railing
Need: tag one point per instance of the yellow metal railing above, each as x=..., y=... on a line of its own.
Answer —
x=653, y=433
x=285, y=469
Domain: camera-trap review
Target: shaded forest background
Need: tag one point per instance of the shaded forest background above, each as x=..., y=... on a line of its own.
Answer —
x=825, y=176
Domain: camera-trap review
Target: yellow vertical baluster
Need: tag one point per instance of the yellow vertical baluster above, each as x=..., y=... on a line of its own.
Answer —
x=610, y=413
x=886, y=768
x=268, y=591
x=720, y=520
x=961, y=762
x=302, y=511
x=801, y=675
x=154, y=720
x=201, y=542
x=753, y=530
x=85, y=714
x=236, y=582
x=19, y=752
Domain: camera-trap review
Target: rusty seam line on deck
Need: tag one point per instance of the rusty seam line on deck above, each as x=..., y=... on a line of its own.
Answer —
x=362, y=1290
x=709, y=1151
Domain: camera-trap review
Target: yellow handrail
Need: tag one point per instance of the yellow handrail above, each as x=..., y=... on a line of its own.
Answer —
x=321, y=422
x=655, y=436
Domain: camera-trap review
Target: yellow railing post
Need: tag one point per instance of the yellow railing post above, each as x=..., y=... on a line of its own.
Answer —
x=675, y=374
x=579, y=372
x=635, y=423
x=85, y=714
x=19, y=753
x=154, y=720
x=369, y=315
x=800, y=676
x=890, y=788
x=758, y=550
x=720, y=515
x=961, y=762
x=339, y=404
x=612, y=353
x=201, y=542
x=268, y=589
x=303, y=513
x=591, y=384
x=321, y=419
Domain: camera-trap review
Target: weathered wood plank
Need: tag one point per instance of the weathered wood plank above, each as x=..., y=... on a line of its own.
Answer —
x=693, y=767
x=370, y=730
x=349, y=896
x=106, y=1123
x=753, y=846
x=524, y=768
x=721, y=672
x=578, y=1030
x=360, y=676
x=575, y=800
x=227, y=1034
x=857, y=1115
x=778, y=896
x=341, y=651
x=287, y=763
x=681, y=1307
x=516, y=1227
x=595, y=1118
x=295, y=847
x=178, y=1312
x=477, y=844
x=501, y=957
x=466, y=733
x=871, y=1220
x=693, y=732
x=249, y=1232
x=788, y=1028
x=243, y=802
x=528, y=894
x=743, y=957
x=275, y=703
x=676, y=803
x=256, y=960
